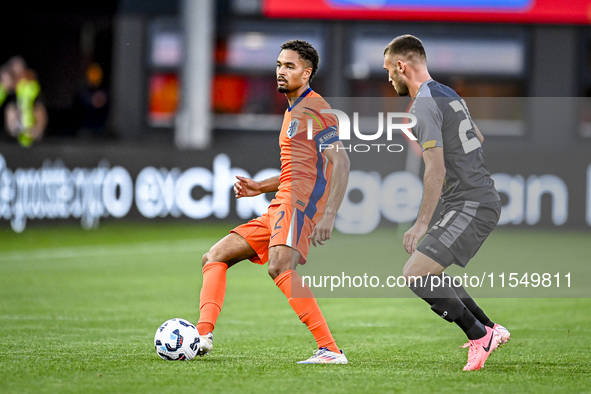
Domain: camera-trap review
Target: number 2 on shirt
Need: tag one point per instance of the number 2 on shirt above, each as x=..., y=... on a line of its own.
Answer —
x=469, y=144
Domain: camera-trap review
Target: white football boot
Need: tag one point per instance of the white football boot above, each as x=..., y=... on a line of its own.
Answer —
x=503, y=332
x=325, y=356
x=205, y=344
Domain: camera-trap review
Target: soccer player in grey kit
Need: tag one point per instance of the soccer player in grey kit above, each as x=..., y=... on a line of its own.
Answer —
x=456, y=172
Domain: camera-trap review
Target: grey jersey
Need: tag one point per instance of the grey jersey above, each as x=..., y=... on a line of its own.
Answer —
x=443, y=120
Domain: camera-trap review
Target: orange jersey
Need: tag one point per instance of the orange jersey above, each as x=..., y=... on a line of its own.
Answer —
x=305, y=171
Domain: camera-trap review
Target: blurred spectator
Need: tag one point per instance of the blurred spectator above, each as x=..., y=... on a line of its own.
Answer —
x=26, y=116
x=91, y=104
x=7, y=94
x=7, y=83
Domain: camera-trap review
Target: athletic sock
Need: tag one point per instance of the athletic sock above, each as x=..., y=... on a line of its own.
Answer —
x=445, y=302
x=212, y=296
x=471, y=304
x=306, y=307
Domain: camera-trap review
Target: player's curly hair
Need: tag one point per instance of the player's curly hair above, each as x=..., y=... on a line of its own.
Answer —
x=306, y=51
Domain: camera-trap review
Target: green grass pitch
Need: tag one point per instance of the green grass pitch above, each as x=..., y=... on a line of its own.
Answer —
x=79, y=309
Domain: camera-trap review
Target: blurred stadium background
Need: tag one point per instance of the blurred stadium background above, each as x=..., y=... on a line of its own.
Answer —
x=153, y=106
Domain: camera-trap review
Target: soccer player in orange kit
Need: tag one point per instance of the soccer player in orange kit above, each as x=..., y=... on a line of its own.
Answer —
x=310, y=188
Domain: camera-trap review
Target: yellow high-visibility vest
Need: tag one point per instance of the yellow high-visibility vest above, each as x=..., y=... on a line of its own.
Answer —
x=3, y=94
x=26, y=94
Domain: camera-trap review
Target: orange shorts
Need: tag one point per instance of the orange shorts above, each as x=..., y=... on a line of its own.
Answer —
x=281, y=225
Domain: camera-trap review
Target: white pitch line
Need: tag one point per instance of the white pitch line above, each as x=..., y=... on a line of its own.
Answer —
x=200, y=245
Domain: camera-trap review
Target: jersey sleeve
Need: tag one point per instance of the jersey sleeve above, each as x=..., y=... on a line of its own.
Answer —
x=325, y=125
x=429, y=123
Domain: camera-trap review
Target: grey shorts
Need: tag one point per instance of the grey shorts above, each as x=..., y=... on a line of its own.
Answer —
x=460, y=232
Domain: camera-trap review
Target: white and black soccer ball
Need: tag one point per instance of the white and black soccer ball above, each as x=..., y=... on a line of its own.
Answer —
x=177, y=339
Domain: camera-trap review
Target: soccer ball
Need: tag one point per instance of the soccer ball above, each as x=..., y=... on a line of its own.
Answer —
x=177, y=339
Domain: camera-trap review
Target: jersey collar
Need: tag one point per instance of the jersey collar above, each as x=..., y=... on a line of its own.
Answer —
x=420, y=87
x=299, y=99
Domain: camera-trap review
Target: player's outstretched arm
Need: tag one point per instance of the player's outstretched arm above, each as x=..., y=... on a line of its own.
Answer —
x=338, y=186
x=432, y=184
x=246, y=187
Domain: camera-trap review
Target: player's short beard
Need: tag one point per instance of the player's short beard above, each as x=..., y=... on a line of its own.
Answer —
x=283, y=89
x=402, y=89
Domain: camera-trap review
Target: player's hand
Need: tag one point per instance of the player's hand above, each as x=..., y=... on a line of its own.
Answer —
x=246, y=187
x=412, y=237
x=323, y=230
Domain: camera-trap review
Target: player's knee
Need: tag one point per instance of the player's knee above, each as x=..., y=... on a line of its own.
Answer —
x=205, y=259
x=211, y=256
x=276, y=269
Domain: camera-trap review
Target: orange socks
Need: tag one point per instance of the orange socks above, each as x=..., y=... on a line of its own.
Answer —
x=212, y=296
x=305, y=305
x=307, y=309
